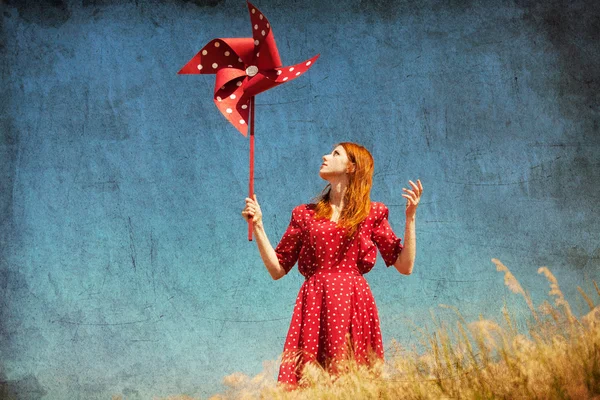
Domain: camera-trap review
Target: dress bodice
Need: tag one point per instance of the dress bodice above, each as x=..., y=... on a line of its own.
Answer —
x=320, y=245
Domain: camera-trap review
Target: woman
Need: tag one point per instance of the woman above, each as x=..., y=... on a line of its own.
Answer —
x=334, y=241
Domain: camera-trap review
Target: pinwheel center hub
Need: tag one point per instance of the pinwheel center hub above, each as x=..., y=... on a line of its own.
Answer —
x=252, y=70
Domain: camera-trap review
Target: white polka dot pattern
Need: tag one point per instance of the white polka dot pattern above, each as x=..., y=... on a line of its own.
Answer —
x=286, y=74
x=388, y=244
x=217, y=59
x=227, y=100
x=261, y=28
x=335, y=311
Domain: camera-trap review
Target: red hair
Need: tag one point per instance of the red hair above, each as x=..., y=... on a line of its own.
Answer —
x=357, y=199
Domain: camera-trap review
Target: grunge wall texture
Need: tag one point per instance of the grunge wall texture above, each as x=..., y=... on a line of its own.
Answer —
x=124, y=263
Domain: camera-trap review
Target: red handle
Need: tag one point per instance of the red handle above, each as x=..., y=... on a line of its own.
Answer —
x=251, y=185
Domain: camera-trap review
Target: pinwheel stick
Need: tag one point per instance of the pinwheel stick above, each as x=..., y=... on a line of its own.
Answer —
x=251, y=184
x=241, y=75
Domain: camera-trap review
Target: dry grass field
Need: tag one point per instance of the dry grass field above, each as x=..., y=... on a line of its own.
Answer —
x=556, y=357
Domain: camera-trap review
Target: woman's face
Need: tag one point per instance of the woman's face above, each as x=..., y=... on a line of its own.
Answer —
x=334, y=164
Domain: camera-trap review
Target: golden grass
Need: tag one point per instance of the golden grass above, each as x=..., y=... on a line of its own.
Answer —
x=557, y=357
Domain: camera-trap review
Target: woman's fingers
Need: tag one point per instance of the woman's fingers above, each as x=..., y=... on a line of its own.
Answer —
x=411, y=193
x=418, y=189
x=410, y=199
x=252, y=209
x=252, y=204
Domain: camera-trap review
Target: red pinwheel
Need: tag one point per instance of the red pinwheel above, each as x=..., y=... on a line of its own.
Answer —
x=244, y=67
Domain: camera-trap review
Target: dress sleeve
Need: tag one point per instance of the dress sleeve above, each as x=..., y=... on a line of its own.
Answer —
x=387, y=242
x=289, y=246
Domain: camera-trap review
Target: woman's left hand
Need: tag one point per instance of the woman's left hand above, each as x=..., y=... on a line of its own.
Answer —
x=412, y=198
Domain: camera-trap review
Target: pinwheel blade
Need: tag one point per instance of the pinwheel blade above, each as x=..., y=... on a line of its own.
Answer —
x=220, y=53
x=234, y=105
x=266, y=55
x=289, y=73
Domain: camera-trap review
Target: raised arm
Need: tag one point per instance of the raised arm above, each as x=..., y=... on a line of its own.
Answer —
x=267, y=253
x=406, y=259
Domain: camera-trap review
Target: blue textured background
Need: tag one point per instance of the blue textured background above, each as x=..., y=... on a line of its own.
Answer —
x=124, y=263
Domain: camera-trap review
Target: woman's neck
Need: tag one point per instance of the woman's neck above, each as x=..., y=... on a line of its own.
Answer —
x=336, y=194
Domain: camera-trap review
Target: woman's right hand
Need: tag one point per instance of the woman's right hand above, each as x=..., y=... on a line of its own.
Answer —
x=252, y=210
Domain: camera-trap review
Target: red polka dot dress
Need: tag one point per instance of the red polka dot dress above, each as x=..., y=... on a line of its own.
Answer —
x=335, y=305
